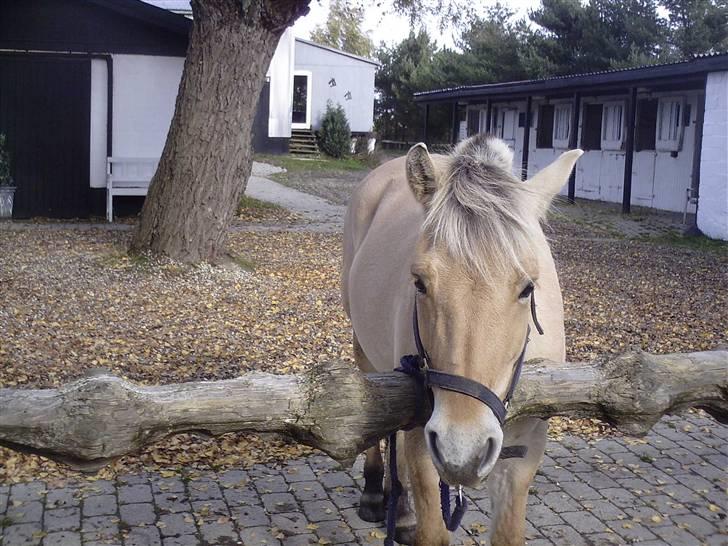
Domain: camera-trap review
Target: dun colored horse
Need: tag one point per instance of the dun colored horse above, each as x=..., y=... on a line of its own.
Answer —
x=462, y=235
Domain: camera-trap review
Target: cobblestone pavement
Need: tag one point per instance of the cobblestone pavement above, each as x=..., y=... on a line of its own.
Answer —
x=670, y=490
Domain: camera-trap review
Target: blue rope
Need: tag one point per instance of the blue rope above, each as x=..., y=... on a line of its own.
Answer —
x=394, y=493
x=410, y=365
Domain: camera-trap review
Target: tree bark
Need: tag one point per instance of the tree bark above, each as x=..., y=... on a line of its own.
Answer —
x=207, y=157
x=335, y=408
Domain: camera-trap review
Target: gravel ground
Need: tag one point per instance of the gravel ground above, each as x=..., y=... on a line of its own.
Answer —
x=334, y=186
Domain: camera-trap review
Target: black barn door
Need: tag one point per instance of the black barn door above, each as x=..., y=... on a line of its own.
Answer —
x=45, y=114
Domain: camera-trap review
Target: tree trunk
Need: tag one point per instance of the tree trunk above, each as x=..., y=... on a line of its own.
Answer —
x=335, y=408
x=207, y=157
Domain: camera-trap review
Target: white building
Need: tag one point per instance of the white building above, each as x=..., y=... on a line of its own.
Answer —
x=84, y=81
x=654, y=136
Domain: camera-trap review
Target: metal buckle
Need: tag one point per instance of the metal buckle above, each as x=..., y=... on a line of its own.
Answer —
x=460, y=494
x=424, y=365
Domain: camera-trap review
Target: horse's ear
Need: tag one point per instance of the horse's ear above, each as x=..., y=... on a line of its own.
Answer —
x=421, y=173
x=549, y=180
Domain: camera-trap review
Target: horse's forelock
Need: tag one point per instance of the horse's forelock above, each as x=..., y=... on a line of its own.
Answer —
x=480, y=212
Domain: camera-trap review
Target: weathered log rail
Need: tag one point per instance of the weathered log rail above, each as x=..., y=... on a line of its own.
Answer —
x=333, y=407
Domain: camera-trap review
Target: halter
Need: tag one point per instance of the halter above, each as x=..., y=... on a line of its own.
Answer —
x=418, y=367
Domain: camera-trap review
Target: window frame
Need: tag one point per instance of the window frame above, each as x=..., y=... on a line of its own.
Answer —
x=590, y=137
x=545, y=127
x=670, y=144
x=645, y=134
x=561, y=143
x=611, y=144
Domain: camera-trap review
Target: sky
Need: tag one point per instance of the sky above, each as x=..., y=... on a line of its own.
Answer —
x=392, y=28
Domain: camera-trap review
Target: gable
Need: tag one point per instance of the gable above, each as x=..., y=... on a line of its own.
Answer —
x=93, y=26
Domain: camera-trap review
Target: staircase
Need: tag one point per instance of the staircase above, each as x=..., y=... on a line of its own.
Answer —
x=303, y=143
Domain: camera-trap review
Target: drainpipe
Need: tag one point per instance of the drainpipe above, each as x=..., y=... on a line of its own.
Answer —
x=109, y=103
x=697, y=151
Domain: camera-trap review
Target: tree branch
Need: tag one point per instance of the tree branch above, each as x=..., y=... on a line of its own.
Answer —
x=333, y=407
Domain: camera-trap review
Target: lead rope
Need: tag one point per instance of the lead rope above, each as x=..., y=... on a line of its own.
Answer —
x=394, y=492
x=412, y=365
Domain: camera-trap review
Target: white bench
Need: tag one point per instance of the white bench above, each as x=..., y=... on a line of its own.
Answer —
x=127, y=176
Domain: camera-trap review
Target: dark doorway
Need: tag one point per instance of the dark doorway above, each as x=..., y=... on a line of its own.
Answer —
x=45, y=114
x=300, y=99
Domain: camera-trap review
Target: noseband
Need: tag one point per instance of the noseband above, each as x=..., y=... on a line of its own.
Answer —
x=418, y=367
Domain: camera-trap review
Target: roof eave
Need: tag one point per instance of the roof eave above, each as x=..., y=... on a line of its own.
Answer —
x=150, y=14
x=624, y=78
x=339, y=51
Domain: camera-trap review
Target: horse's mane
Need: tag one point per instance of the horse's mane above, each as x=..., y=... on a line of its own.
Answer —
x=480, y=212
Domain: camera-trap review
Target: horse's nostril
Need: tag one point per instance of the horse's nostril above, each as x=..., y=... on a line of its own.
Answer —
x=432, y=435
x=489, y=456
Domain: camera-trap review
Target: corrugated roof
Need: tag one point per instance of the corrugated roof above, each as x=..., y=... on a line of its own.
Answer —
x=698, y=64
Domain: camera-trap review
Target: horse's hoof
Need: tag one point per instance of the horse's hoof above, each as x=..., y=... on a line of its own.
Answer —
x=405, y=534
x=372, y=507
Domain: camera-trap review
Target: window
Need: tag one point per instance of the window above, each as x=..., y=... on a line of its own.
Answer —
x=645, y=131
x=562, y=125
x=591, y=129
x=612, y=126
x=670, y=124
x=507, y=124
x=473, y=118
x=484, y=121
x=545, y=129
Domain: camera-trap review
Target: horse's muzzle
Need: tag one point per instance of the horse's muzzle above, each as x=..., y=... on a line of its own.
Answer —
x=464, y=454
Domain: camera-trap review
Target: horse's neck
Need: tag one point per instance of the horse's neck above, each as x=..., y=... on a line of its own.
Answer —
x=550, y=307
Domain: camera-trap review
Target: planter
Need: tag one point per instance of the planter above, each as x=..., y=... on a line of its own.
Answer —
x=7, y=194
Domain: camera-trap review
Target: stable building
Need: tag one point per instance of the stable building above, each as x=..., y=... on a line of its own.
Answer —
x=88, y=91
x=653, y=136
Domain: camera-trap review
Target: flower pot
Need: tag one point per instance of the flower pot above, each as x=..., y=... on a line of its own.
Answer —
x=7, y=194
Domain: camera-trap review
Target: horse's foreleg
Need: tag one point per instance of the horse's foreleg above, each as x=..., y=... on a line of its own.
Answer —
x=372, y=503
x=424, y=481
x=510, y=480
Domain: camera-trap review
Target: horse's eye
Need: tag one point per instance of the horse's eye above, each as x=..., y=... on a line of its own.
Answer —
x=526, y=291
x=420, y=286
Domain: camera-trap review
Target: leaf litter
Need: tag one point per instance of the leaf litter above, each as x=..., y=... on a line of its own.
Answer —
x=73, y=300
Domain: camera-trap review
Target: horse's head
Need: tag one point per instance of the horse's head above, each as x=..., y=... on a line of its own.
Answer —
x=474, y=270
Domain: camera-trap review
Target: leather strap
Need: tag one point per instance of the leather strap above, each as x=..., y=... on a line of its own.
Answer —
x=463, y=385
x=468, y=387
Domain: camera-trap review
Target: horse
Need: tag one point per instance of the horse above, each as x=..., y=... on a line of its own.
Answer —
x=462, y=236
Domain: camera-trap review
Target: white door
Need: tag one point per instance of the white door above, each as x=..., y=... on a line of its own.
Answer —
x=301, y=115
x=507, y=124
x=611, y=176
x=643, y=178
x=587, y=179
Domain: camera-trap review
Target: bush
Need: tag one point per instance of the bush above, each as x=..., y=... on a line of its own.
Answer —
x=335, y=134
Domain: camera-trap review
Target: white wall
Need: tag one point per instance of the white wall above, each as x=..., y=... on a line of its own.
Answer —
x=713, y=202
x=145, y=91
x=516, y=144
x=280, y=74
x=341, y=79
x=659, y=180
x=99, y=100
